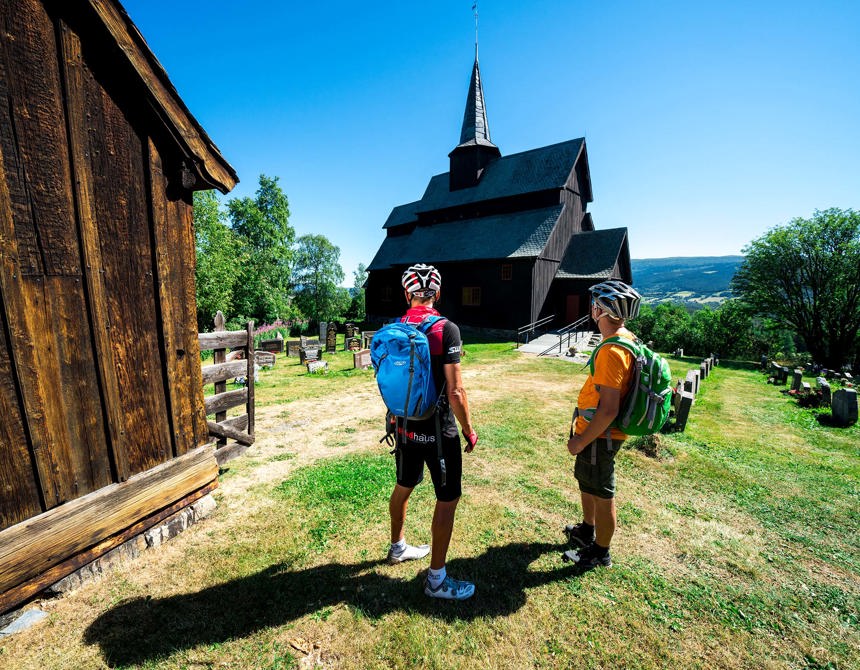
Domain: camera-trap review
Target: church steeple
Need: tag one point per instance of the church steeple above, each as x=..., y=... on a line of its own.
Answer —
x=476, y=150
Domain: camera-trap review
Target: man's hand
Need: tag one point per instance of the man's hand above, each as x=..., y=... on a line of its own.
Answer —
x=575, y=445
x=471, y=440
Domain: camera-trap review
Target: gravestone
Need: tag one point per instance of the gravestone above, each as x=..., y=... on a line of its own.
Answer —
x=361, y=359
x=275, y=345
x=703, y=370
x=844, y=407
x=310, y=354
x=303, y=339
x=293, y=347
x=311, y=343
x=693, y=377
x=323, y=330
x=804, y=386
x=824, y=387
x=784, y=375
x=331, y=338
x=796, y=379
x=351, y=330
x=682, y=412
x=366, y=337
x=317, y=366
x=352, y=344
x=265, y=359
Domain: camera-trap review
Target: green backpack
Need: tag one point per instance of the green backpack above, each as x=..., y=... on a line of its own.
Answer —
x=646, y=406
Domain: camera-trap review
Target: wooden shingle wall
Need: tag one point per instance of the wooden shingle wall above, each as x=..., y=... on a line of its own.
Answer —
x=99, y=361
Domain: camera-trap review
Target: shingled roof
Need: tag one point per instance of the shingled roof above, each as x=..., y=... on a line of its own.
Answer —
x=515, y=235
x=517, y=174
x=592, y=254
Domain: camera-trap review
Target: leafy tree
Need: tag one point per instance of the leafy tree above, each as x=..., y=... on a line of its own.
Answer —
x=317, y=276
x=806, y=276
x=262, y=225
x=217, y=270
x=357, y=309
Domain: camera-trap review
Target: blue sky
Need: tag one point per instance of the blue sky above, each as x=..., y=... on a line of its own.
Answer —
x=706, y=123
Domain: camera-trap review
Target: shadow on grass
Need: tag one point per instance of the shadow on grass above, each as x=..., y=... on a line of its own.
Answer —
x=147, y=629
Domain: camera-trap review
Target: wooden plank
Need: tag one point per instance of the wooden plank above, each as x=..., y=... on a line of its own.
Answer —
x=223, y=371
x=116, y=162
x=224, y=401
x=74, y=74
x=187, y=263
x=19, y=499
x=220, y=430
x=223, y=340
x=170, y=252
x=237, y=422
x=38, y=544
x=186, y=130
x=219, y=356
x=228, y=453
x=32, y=587
x=43, y=298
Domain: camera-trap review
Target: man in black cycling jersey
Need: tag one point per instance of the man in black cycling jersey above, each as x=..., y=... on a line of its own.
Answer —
x=416, y=446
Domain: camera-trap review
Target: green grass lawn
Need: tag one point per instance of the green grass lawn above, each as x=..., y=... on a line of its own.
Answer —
x=738, y=547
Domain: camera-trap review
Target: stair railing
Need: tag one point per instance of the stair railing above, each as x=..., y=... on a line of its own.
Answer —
x=529, y=329
x=566, y=332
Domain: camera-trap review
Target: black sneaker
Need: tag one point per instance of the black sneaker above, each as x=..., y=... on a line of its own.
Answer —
x=579, y=534
x=587, y=559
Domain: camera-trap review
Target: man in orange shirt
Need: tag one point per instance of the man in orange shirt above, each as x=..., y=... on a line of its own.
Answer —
x=593, y=439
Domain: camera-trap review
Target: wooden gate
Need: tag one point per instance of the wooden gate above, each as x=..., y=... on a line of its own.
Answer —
x=238, y=428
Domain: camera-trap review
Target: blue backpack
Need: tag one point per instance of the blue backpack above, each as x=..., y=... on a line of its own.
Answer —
x=400, y=353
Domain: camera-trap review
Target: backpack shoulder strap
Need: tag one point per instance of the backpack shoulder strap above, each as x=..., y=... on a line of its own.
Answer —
x=630, y=345
x=428, y=321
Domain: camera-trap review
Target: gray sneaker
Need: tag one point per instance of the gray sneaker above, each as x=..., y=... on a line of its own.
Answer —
x=450, y=589
x=409, y=553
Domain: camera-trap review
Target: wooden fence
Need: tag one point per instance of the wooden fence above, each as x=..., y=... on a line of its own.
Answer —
x=238, y=428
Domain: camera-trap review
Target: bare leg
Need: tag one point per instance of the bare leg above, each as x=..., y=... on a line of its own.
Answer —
x=443, y=526
x=604, y=517
x=587, y=507
x=397, y=509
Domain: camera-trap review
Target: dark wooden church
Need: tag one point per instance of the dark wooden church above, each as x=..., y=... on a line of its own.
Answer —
x=510, y=234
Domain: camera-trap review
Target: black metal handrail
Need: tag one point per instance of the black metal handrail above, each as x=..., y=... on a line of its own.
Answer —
x=574, y=327
x=531, y=328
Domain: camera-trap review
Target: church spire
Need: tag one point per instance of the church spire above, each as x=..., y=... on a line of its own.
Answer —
x=475, y=150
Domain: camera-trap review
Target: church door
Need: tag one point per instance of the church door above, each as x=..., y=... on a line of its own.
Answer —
x=571, y=311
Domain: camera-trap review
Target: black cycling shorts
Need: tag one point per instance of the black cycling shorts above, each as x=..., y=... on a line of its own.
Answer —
x=411, y=458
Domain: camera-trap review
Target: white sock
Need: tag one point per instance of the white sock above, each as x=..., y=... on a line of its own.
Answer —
x=436, y=577
x=399, y=546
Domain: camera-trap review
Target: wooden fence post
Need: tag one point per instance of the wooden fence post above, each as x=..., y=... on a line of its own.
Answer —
x=220, y=356
x=249, y=407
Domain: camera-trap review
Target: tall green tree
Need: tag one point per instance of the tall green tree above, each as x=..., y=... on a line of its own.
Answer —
x=217, y=250
x=262, y=225
x=318, y=275
x=806, y=276
x=357, y=308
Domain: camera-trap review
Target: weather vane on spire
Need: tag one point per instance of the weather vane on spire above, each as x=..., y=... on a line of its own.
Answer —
x=475, y=12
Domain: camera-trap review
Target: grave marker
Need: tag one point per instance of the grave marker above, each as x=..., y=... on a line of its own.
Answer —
x=844, y=407
x=352, y=344
x=309, y=354
x=693, y=377
x=703, y=370
x=316, y=366
x=293, y=347
x=331, y=338
x=366, y=337
x=796, y=379
x=824, y=387
x=323, y=330
x=361, y=359
x=682, y=412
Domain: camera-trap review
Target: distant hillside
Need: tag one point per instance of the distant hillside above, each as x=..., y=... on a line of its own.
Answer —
x=696, y=280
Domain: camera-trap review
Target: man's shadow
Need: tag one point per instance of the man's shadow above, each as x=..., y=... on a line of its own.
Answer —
x=146, y=629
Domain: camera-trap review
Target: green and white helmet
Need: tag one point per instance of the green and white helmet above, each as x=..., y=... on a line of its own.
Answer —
x=616, y=298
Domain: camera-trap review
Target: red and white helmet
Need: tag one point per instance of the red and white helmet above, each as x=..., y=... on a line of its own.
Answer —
x=422, y=280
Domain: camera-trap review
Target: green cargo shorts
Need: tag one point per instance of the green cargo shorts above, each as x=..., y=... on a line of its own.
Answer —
x=597, y=475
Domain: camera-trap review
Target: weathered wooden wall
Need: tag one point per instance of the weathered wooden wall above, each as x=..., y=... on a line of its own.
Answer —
x=99, y=361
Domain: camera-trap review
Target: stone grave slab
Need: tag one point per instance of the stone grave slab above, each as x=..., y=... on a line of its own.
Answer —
x=844, y=407
x=796, y=379
x=275, y=345
x=317, y=366
x=323, y=330
x=310, y=354
x=352, y=344
x=693, y=377
x=331, y=338
x=265, y=359
x=293, y=347
x=361, y=359
x=366, y=337
x=682, y=412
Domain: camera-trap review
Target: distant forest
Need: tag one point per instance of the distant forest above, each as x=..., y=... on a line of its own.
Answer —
x=695, y=281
